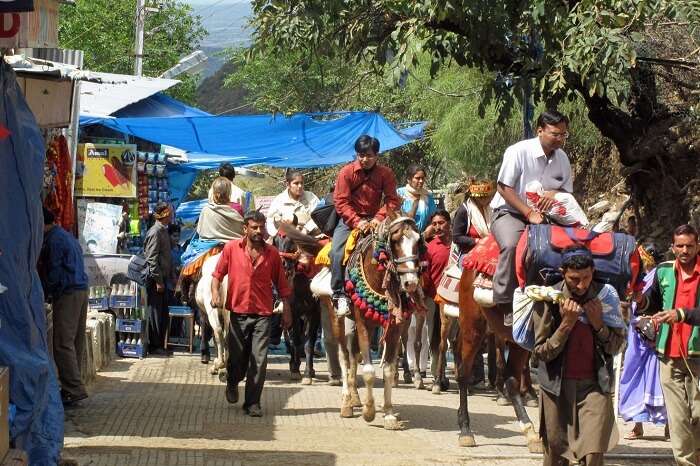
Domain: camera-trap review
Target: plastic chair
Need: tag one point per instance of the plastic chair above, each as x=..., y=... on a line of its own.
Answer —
x=187, y=314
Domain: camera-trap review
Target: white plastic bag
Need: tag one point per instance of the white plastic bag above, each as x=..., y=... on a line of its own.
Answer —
x=565, y=211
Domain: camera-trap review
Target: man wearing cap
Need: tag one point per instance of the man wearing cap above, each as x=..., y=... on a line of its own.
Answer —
x=538, y=159
x=359, y=191
x=673, y=299
x=575, y=340
x=159, y=259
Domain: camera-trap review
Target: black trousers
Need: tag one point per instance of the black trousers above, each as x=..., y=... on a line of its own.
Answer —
x=248, y=338
x=157, y=316
x=69, y=316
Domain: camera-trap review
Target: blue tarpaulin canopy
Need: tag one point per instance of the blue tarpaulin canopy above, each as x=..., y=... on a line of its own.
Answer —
x=37, y=426
x=301, y=140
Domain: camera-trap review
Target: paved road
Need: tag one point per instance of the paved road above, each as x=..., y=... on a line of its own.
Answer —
x=161, y=411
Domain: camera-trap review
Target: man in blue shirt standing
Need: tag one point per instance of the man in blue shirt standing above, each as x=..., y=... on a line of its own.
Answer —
x=66, y=286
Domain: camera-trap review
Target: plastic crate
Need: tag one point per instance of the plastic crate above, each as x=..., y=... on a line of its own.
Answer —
x=180, y=310
x=121, y=302
x=130, y=325
x=127, y=350
x=98, y=304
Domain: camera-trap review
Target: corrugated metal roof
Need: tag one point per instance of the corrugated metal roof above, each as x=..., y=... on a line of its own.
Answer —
x=101, y=94
x=105, y=93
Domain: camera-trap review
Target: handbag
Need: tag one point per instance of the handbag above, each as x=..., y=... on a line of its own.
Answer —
x=137, y=270
x=647, y=329
x=325, y=216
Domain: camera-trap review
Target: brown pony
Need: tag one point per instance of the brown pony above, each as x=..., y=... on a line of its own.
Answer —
x=399, y=283
x=473, y=320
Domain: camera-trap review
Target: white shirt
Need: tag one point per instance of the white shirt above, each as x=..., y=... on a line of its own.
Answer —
x=524, y=162
x=284, y=206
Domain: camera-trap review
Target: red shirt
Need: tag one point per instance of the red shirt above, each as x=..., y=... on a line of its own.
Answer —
x=358, y=194
x=686, y=297
x=580, y=362
x=250, y=284
x=437, y=256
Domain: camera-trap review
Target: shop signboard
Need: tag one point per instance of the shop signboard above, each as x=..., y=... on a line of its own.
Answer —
x=98, y=226
x=16, y=5
x=106, y=170
x=100, y=268
x=24, y=28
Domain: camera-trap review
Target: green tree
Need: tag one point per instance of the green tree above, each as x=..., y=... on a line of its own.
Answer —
x=630, y=61
x=104, y=30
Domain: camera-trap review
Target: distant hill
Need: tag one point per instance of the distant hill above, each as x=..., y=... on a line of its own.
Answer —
x=214, y=98
x=225, y=22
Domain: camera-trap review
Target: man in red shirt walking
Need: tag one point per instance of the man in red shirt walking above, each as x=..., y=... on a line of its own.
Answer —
x=253, y=267
x=671, y=298
x=437, y=257
x=358, y=195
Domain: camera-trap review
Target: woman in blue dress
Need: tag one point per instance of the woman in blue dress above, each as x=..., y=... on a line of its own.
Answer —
x=418, y=203
x=417, y=200
x=641, y=398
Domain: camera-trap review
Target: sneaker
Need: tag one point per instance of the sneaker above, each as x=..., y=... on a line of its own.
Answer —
x=254, y=411
x=232, y=393
x=342, y=308
x=72, y=400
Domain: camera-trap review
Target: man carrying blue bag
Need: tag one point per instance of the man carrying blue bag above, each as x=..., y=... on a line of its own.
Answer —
x=575, y=338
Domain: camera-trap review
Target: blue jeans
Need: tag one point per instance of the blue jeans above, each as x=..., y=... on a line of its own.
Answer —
x=340, y=237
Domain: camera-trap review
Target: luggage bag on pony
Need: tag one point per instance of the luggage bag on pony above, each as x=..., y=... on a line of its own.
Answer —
x=538, y=260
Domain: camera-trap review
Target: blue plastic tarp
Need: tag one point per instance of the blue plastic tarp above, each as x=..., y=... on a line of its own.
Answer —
x=301, y=140
x=159, y=105
x=37, y=427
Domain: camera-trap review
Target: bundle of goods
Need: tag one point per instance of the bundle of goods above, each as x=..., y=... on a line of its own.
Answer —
x=565, y=211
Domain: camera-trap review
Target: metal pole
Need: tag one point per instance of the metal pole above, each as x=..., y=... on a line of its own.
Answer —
x=138, y=50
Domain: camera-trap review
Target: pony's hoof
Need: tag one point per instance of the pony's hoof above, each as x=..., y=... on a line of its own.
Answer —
x=467, y=441
x=535, y=445
x=355, y=401
x=306, y=381
x=222, y=375
x=346, y=411
x=436, y=389
x=407, y=378
x=368, y=413
x=392, y=423
x=445, y=384
x=295, y=376
x=418, y=384
x=502, y=401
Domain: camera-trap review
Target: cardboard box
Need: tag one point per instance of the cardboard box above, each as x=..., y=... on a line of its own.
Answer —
x=4, y=402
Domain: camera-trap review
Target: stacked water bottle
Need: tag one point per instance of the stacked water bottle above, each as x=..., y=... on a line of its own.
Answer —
x=98, y=298
x=126, y=301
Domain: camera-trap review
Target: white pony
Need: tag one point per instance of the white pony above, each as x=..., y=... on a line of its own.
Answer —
x=218, y=318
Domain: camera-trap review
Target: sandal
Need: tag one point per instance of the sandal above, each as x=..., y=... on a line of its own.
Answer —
x=634, y=434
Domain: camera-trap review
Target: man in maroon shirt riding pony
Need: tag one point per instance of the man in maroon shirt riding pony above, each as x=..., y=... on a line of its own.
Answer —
x=358, y=195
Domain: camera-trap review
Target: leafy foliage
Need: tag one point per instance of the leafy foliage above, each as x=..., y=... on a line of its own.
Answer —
x=587, y=46
x=104, y=29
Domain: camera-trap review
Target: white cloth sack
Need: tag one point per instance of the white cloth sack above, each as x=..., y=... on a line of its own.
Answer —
x=565, y=211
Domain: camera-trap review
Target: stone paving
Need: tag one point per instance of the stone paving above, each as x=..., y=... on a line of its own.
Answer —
x=171, y=411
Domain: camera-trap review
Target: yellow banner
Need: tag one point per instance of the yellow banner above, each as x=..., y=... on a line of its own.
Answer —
x=106, y=170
